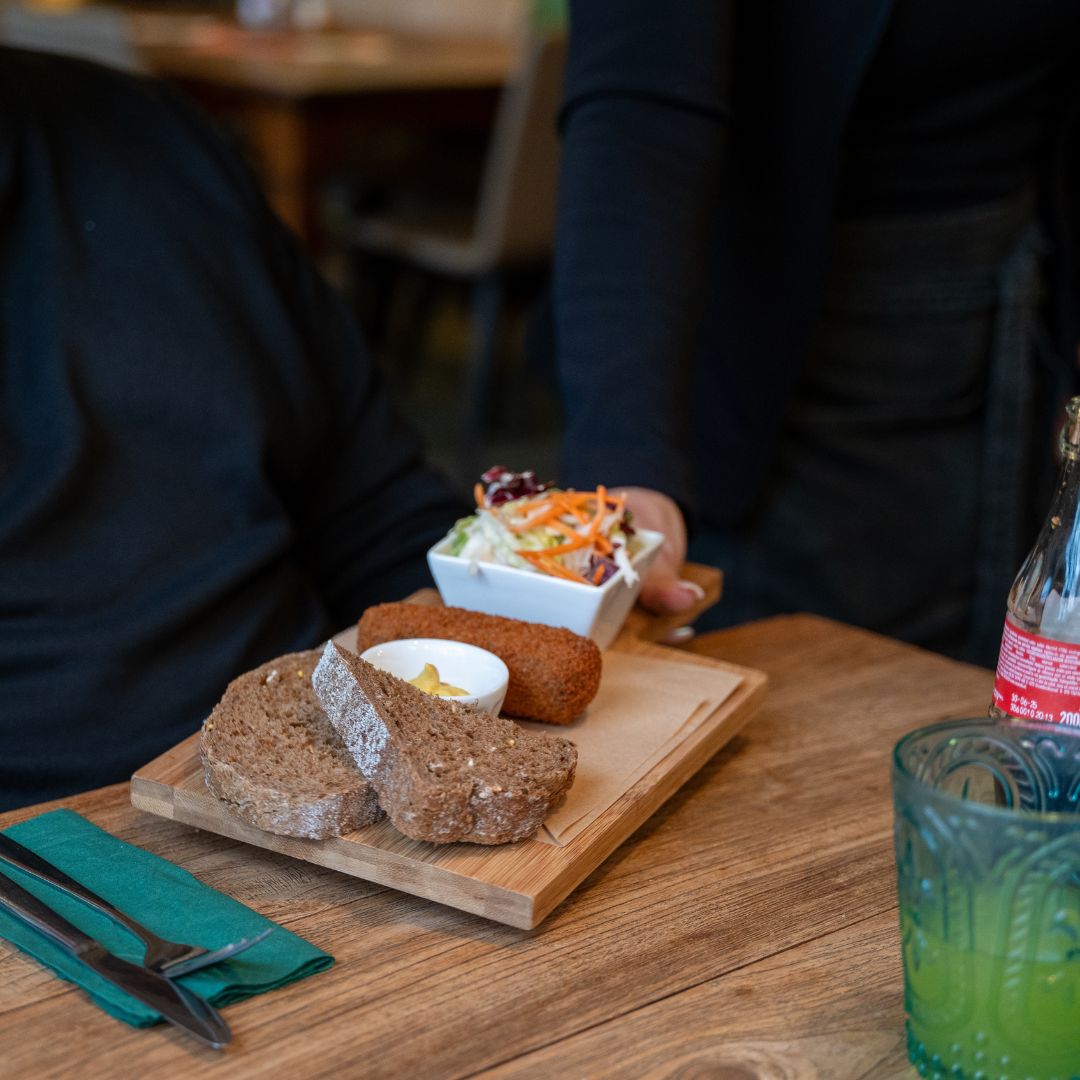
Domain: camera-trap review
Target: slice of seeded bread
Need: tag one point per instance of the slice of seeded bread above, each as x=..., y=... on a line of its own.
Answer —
x=269, y=752
x=443, y=772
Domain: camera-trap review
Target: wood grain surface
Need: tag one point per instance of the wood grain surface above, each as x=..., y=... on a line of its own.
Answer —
x=747, y=930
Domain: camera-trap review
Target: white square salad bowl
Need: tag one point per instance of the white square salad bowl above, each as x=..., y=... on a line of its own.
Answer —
x=594, y=611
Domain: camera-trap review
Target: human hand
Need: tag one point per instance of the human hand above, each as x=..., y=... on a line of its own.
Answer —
x=663, y=590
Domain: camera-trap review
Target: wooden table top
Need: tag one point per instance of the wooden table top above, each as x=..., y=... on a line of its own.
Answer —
x=298, y=64
x=747, y=930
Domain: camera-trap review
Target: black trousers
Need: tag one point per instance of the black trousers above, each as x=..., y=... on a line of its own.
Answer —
x=917, y=452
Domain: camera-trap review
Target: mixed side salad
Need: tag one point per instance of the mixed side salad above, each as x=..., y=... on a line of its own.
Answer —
x=582, y=536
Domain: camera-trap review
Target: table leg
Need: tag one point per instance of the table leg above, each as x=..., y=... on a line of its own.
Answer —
x=278, y=138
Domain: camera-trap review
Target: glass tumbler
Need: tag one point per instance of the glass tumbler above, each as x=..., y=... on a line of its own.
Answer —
x=988, y=874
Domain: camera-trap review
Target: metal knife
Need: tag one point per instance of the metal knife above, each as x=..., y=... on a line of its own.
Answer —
x=175, y=1003
x=169, y=958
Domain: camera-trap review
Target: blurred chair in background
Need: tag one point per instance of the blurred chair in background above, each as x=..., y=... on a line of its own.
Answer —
x=508, y=230
x=94, y=33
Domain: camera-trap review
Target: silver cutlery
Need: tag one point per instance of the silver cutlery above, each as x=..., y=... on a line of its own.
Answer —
x=175, y=1003
x=169, y=958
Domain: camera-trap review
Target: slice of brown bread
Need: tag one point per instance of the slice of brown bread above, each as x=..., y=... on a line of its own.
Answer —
x=269, y=752
x=554, y=673
x=443, y=771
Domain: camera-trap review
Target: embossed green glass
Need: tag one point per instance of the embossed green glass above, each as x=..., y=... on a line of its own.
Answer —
x=988, y=873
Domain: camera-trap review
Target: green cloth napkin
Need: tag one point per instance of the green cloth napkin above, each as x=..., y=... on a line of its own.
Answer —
x=168, y=900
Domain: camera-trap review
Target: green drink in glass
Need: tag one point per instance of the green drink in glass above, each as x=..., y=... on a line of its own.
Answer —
x=987, y=837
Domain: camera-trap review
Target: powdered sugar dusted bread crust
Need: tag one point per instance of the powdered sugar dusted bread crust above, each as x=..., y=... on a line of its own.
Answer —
x=271, y=755
x=443, y=772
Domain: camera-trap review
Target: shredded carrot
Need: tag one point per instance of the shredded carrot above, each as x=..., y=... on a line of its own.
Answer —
x=601, y=512
x=548, y=566
x=576, y=544
x=556, y=570
x=572, y=507
x=478, y=494
x=536, y=519
x=569, y=531
x=533, y=504
x=575, y=515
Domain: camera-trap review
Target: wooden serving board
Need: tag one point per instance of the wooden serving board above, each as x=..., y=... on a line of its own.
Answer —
x=517, y=884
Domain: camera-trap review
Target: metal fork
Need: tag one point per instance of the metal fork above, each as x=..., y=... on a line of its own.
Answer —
x=169, y=958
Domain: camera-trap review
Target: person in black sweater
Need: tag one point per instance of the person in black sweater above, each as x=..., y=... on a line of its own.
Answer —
x=199, y=467
x=814, y=292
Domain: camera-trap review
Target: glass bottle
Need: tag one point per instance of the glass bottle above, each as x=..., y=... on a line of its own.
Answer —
x=1038, y=673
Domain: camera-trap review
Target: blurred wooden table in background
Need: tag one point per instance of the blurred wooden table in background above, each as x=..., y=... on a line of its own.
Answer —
x=301, y=96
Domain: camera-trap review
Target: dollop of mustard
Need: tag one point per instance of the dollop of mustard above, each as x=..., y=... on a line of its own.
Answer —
x=428, y=680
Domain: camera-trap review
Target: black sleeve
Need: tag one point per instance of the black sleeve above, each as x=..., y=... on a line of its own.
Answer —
x=644, y=132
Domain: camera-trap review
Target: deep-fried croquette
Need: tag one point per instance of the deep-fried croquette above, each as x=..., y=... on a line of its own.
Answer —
x=554, y=673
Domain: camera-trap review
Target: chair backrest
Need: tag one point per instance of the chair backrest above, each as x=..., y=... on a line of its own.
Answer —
x=99, y=34
x=515, y=220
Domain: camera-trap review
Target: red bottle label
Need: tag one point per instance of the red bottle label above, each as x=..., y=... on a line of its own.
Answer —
x=1038, y=679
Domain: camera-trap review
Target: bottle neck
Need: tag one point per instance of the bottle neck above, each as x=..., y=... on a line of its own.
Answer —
x=1063, y=506
x=1045, y=597
x=1069, y=440
x=1061, y=530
